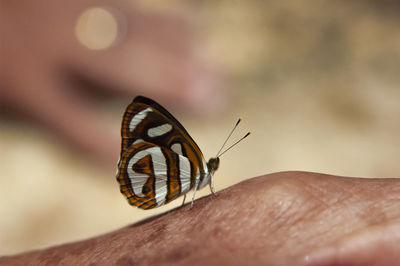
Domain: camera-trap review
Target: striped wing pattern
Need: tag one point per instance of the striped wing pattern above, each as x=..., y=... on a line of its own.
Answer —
x=159, y=161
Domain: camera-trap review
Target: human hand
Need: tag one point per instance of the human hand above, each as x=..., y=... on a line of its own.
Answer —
x=287, y=218
x=41, y=61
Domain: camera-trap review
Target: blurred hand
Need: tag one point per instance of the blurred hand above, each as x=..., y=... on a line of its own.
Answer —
x=44, y=69
x=288, y=218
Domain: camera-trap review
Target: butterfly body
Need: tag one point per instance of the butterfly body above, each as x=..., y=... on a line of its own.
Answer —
x=159, y=161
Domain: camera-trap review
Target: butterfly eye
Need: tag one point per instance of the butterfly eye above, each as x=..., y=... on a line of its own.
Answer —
x=213, y=164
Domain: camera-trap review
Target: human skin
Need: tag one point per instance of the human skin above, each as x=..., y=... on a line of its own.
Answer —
x=286, y=218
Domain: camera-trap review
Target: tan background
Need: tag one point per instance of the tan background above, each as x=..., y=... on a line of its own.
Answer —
x=316, y=81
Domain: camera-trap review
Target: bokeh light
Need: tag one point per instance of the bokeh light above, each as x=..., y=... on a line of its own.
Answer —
x=96, y=28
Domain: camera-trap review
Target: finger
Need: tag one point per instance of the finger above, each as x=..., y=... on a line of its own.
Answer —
x=74, y=120
x=155, y=58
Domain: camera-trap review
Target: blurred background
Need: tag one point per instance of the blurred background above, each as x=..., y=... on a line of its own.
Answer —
x=315, y=81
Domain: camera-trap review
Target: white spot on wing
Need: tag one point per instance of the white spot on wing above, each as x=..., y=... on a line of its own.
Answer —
x=177, y=147
x=207, y=176
x=160, y=171
x=159, y=131
x=138, y=118
x=137, y=141
x=137, y=179
x=184, y=168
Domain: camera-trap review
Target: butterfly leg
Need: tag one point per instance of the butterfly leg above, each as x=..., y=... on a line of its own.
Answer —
x=196, y=185
x=184, y=198
x=212, y=186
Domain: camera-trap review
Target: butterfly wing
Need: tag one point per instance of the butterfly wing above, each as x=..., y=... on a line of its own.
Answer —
x=151, y=176
x=159, y=160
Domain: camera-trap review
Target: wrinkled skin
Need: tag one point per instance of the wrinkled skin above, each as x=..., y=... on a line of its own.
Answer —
x=287, y=218
x=49, y=78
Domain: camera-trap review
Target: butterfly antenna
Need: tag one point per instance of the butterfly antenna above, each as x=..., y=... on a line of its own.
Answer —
x=234, y=144
x=230, y=134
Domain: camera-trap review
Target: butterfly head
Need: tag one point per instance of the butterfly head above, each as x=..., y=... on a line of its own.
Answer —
x=213, y=164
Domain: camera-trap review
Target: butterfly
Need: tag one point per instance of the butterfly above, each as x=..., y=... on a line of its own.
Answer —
x=159, y=160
